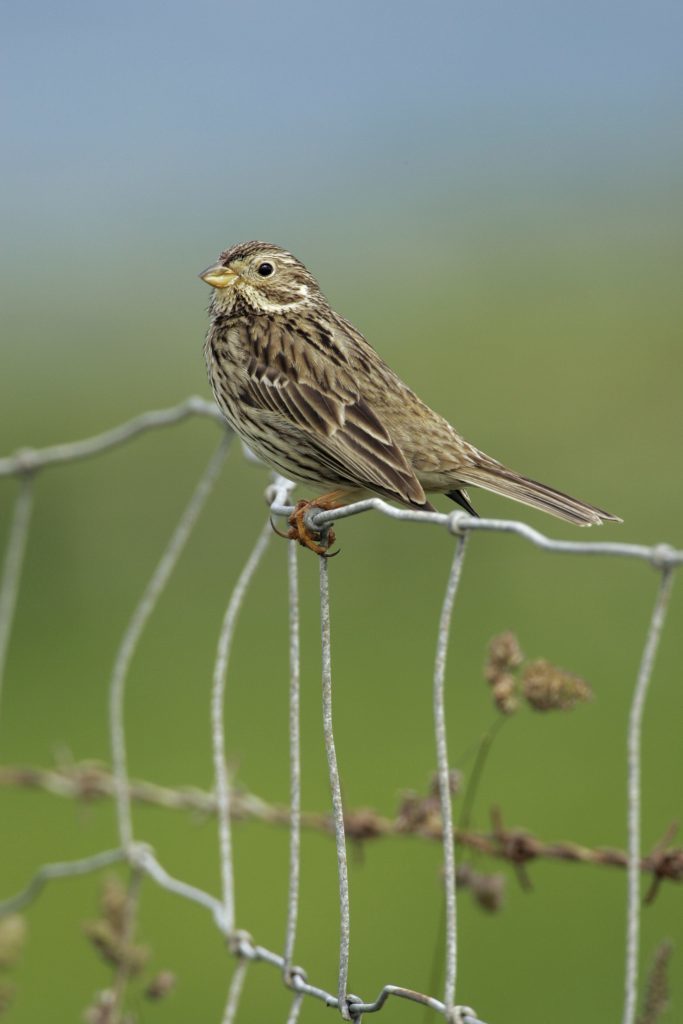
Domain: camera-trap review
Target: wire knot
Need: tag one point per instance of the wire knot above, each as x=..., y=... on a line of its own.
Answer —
x=26, y=462
x=664, y=556
x=241, y=945
x=294, y=977
x=349, y=1009
x=456, y=522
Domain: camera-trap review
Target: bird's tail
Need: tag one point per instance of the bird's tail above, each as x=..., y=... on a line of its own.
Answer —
x=497, y=478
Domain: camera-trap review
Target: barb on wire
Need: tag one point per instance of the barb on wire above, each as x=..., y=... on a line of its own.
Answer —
x=335, y=787
x=444, y=772
x=30, y=459
x=88, y=781
x=635, y=728
x=11, y=570
x=133, y=632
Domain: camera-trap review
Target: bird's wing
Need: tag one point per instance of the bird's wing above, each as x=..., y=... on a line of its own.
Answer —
x=306, y=379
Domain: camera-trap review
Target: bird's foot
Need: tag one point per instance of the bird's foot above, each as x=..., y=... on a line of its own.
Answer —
x=319, y=541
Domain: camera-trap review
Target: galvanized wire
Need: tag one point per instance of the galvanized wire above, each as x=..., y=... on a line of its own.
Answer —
x=335, y=787
x=59, y=869
x=294, y=758
x=444, y=775
x=295, y=1008
x=12, y=566
x=235, y=991
x=29, y=460
x=634, y=770
x=139, y=619
x=658, y=555
x=221, y=776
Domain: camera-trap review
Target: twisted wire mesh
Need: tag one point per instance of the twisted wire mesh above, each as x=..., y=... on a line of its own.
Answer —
x=26, y=464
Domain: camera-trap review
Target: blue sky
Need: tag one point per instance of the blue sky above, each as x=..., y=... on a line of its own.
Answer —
x=194, y=108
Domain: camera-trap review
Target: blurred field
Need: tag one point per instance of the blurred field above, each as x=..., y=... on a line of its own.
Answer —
x=536, y=304
x=100, y=526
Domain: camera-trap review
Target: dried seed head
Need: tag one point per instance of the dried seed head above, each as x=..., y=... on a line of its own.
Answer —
x=114, y=904
x=505, y=694
x=161, y=984
x=549, y=688
x=657, y=990
x=114, y=949
x=12, y=939
x=504, y=654
x=487, y=890
x=102, y=1009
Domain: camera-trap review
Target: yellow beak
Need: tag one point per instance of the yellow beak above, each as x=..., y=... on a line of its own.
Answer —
x=218, y=276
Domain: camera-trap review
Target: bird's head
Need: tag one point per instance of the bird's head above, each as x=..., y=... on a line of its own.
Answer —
x=261, y=277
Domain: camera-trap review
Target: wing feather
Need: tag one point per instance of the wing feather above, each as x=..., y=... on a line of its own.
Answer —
x=315, y=392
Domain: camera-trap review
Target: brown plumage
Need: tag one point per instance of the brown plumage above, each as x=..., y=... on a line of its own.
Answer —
x=310, y=396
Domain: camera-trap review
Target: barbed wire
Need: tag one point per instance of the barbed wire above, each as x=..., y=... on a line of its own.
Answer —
x=88, y=781
x=27, y=462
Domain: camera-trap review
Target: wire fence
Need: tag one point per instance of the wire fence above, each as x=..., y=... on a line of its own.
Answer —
x=26, y=464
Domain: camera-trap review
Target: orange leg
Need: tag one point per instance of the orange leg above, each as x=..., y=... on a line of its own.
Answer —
x=314, y=540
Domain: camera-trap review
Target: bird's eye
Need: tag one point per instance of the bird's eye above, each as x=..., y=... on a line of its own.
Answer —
x=265, y=269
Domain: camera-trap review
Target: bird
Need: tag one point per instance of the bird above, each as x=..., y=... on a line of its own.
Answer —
x=315, y=401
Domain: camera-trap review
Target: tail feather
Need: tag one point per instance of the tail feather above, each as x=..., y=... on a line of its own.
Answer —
x=496, y=478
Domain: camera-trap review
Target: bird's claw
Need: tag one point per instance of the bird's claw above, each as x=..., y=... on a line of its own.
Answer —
x=319, y=541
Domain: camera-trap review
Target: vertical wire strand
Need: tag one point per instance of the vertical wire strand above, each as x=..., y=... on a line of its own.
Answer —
x=294, y=757
x=295, y=1008
x=235, y=992
x=134, y=630
x=444, y=774
x=335, y=787
x=12, y=566
x=634, y=747
x=221, y=778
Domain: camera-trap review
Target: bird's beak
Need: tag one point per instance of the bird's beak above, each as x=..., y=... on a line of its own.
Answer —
x=218, y=276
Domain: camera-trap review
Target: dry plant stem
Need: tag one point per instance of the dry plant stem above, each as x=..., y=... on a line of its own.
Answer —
x=443, y=768
x=221, y=779
x=335, y=787
x=634, y=801
x=481, y=757
x=12, y=566
x=235, y=992
x=131, y=637
x=294, y=757
x=123, y=971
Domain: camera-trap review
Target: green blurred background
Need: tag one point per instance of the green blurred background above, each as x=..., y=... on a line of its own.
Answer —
x=493, y=195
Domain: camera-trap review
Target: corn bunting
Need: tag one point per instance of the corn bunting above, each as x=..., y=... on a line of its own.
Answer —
x=311, y=397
